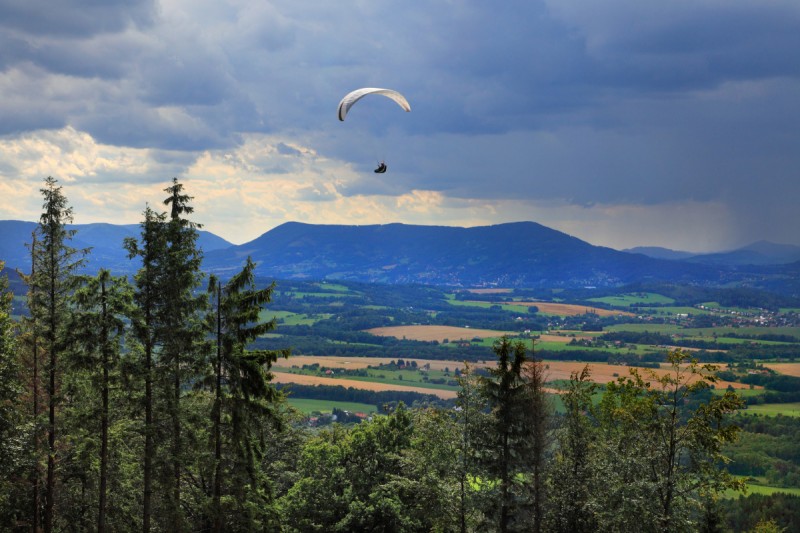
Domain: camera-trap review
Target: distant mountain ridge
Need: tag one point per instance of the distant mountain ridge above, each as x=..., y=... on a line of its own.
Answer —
x=513, y=254
x=104, y=239
x=757, y=253
x=519, y=254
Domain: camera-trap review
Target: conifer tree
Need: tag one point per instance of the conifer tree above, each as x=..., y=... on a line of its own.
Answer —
x=181, y=328
x=515, y=398
x=54, y=280
x=243, y=397
x=30, y=344
x=12, y=432
x=102, y=305
x=150, y=250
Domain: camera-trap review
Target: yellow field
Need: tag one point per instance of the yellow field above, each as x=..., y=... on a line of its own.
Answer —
x=436, y=333
x=790, y=369
x=570, y=309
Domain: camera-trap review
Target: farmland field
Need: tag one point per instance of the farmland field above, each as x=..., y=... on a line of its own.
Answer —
x=626, y=300
x=774, y=409
x=436, y=333
x=308, y=406
x=790, y=369
x=547, y=308
x=489, y=291
x=554, y=371
x=550, y=308
x=302, y=379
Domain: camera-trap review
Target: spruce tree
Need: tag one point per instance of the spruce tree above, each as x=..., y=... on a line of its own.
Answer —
x=514, y=394
x=54, y=280
x=102, y=305
x=244, y=400
x=180, y=325
x=13, y=433
x=150, y=250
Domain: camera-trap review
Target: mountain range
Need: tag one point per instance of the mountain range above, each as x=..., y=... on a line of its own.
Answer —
x=513, y=254
x=758, y=253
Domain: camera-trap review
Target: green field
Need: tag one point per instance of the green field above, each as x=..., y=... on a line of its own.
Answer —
x=627, y=300
x=292, y=319
x=411, y=378
x=307, y=406
x=759, y=488
x=332, y=287
x=666, y=329
x=487, y=305
x=673, y=310
x=774, y=409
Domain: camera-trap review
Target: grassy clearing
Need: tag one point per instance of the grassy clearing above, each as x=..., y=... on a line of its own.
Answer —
x=308, y=406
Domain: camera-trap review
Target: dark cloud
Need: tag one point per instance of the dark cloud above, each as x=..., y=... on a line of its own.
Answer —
x=615, y=102
x=75, y=18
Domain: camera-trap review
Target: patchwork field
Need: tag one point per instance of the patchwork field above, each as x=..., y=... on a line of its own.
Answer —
x=555, y=370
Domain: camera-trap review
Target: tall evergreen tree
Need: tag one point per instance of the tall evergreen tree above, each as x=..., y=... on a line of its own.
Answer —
x=150, y=250
x=54, y=280
x=180, y=323
x=102, y=304
x=512, y=393
x=13, y=434
x=243, y=397
x=30, y=343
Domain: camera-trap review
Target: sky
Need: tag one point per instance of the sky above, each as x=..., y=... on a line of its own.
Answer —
x=621, y=122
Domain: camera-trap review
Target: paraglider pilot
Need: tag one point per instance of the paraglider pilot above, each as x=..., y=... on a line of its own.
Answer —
x=381, y=168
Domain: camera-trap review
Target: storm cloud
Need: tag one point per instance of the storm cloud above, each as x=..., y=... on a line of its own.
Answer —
x=588, y=117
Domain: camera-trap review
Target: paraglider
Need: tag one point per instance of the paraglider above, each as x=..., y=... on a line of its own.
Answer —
x=352, y=97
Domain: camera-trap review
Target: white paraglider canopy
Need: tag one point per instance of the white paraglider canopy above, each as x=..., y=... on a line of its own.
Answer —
x=353, y=97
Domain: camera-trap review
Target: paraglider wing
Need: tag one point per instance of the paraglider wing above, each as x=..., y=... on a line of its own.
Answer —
x=353, y=97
